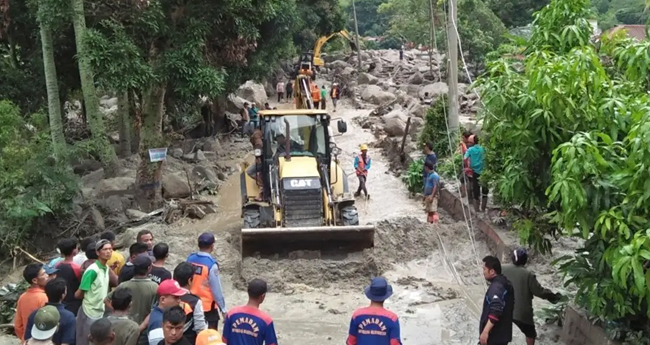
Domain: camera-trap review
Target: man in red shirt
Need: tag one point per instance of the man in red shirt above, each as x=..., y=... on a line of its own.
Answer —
x=375, y=325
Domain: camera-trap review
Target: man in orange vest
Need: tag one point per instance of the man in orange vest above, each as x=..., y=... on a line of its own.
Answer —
x=361, y=166
x=335, y=94
x=315, y=95
x=206, y=283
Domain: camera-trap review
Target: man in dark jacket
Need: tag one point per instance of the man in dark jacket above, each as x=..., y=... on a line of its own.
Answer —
x=495, y=326
x=526, y=287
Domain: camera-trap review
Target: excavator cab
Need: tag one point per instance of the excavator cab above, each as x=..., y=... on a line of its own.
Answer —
x=307, y=203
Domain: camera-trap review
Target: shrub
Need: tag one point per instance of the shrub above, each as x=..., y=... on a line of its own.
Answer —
x=32, y=183
x=435, y=129
x=413, y=178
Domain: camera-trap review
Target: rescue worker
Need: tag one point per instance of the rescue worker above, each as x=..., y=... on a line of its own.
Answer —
x=323, y=97
x=429, y=156
x=475, y=159
x=335, y=94
x=253, y=115
x=495, y=325
x=361, y=166
x=191, y=303
x=375, y=324
x=526, y=287
x=247, y=324
x=206, y=282
x=315, y=95
x=464, y=175
x=431, y=192
x=279, y=89
x=289, y=91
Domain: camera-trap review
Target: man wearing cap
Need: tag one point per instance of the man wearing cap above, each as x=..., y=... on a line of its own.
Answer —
x=169, y=295
x=93, y=290
x=209, y=337
x=46, y=323
x=361, y=166
x=374, y=324
x=143, y=289
x=248, y=325
x=56, y=290
x=207, y=283
x=526, y=286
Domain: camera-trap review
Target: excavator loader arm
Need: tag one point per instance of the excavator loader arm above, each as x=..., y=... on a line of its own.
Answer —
x=320, y=42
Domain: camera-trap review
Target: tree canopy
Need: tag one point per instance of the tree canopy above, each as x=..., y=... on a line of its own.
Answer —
x=567, y=119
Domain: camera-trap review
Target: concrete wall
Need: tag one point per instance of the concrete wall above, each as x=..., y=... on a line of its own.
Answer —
x=576, y=330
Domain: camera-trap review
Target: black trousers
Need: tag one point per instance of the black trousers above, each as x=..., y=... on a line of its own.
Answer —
x=478, y=190
x=362, y=185
x=280, y=96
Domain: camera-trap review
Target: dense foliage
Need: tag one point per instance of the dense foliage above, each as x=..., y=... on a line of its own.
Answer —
x=435, y=128
x=567, y=150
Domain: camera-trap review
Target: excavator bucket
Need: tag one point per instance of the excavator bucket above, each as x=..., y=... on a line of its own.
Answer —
x=332, y=239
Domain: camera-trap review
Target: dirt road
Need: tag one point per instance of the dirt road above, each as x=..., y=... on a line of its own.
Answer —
x=312, y=298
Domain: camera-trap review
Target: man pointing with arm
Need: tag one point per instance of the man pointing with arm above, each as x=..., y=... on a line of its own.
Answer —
x=207, y=283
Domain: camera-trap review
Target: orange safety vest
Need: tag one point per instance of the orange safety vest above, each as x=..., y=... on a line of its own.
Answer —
x=201, y=280
x=315, y=93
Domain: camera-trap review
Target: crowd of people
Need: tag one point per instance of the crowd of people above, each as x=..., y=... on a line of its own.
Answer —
x=92, y=294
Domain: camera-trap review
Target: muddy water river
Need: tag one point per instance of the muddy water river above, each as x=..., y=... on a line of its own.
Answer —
x=437, y=296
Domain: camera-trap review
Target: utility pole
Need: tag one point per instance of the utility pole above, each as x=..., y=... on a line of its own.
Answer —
x=356, y=38
x=452, y=70
x=432, y=37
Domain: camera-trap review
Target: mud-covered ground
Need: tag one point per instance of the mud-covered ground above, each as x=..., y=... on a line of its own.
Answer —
x=438, y=292
x=434, y=269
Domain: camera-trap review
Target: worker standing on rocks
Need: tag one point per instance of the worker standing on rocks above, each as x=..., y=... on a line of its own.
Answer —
x=374, y=325
x=526, y=287
x=335, y=94
x=279, y=89
x=206, y=282
x=361, y=166
x=475, y=158
x=495, y=325
x=431, y=192
x=248, y=325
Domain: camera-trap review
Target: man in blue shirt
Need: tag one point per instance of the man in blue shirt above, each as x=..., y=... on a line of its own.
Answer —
x=431, y=192
x=247, y=324
x=66, y=333
x=429, y=156
x=475, y=156
x=375, y=325
x=169, y=295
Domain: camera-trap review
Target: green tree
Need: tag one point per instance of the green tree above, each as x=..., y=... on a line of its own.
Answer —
x=516, y=13
x=51, y=84
x=91, y=101
x=566, y=151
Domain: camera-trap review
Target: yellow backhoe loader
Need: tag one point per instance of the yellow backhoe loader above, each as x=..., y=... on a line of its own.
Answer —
x=306, y=201
x=318, y=61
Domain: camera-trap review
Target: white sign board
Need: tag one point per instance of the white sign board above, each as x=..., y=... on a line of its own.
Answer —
x=157, y=155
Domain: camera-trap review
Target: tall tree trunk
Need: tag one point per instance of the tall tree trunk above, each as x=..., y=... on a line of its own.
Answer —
x=148, y=180
x=123, y=112
x=51, y=84
x=104, y=148
x=136, y=120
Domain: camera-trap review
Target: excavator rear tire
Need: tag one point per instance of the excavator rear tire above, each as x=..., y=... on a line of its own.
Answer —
x=349, y=215
x=251, y=218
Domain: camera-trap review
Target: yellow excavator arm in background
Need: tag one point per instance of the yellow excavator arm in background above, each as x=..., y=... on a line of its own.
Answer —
x=322, y=40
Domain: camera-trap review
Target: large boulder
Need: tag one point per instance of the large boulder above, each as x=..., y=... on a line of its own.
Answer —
x=175, y=186
x=435, y=90
x=235, y=104
x=416, y=79
x=114, y=184
x=365, y=78
x=375, y=95
x=347, y=71
x=338, y=64
x=395, y=123
x=253, y=92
